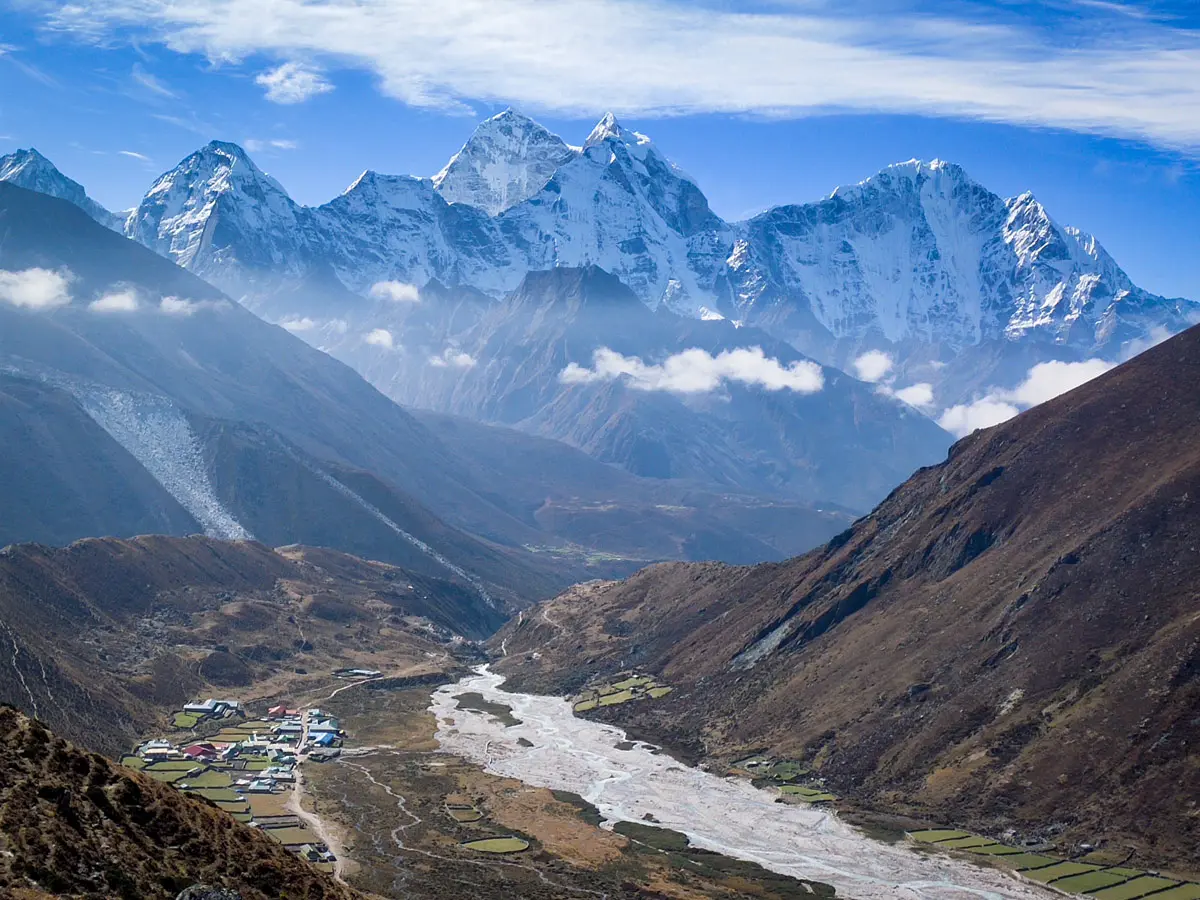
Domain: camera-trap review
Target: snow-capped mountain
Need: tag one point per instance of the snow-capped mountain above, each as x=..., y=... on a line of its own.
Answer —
x=962, y=288
x=32, y=171
x=508, y=159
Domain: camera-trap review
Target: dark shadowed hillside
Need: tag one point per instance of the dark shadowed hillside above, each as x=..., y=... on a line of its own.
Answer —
x=1011, y=639
x=73, y=824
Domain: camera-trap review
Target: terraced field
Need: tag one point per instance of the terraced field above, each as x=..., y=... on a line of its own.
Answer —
x=633, y=687
x=1071, y=876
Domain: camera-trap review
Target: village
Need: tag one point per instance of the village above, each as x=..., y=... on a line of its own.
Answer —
x=248, y=767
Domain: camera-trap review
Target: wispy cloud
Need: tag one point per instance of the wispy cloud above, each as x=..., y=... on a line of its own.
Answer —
x=696, y=371
x=1140, y=81
x=293, y=82
x=256, y=145
x=133, y=154
x=187, y=123
x=152, y=83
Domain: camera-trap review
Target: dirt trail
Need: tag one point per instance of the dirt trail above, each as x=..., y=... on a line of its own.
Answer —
x=313, y=821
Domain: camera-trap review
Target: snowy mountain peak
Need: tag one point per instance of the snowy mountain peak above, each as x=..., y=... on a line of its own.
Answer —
x=507, y=160
x=217, y=184
x=607, y=128
x=32, y=171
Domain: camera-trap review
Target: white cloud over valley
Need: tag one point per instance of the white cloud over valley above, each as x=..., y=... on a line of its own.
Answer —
x=35, y=288
x=452, y=358
x=396, y=291
x=380, y=337
x=123, y=301
x=873, y=366
x=697, y=371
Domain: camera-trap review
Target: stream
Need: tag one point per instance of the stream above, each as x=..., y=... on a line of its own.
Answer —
x=725, y=815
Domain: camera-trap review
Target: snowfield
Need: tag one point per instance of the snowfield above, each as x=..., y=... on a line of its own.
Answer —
x=725, y=815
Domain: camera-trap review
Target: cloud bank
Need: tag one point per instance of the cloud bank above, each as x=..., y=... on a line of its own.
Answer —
x=35, y=288
x=1045, y=381
x=696, y=371
x=1114, y=75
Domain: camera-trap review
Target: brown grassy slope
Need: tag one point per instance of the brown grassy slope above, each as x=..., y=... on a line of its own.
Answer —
x=1011, y=639
x=72, y=824
x=100, y=638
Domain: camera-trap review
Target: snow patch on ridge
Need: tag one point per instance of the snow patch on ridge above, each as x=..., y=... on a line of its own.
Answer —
x=160, y=437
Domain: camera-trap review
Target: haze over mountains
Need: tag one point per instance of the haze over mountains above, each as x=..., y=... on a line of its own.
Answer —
x=964, y=291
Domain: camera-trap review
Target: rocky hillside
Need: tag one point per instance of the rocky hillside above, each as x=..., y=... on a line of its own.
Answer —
x=1010, y=640
x=101, y=638
x=73, y=824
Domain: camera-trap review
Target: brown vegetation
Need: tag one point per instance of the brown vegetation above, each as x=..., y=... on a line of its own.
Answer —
x=73, y=824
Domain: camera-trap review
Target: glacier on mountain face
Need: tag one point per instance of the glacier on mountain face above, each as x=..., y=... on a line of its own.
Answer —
x=160, y=437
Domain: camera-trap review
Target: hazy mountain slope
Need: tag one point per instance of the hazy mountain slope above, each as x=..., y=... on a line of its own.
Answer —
x=572, y=495
x=62, y=477
x=844, y=443
x=187, y=352
x=74, y=824
x=101, y=638
x=1010, y=639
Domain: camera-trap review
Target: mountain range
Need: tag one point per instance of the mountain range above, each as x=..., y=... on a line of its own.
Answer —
x=918, y=261
x=1008, y=643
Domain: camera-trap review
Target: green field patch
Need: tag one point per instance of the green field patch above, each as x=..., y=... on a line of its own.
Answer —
x=934, y=835
x=636, y=681
x=133, y=762
x=1060, y=870
x=185, y=720
x=995, y=850
x=1132, y=890
x=807, y=794
x=172, y=765
x=657, y=693
x=256, y=765
x=1024, y=862
x=463, y=812
x=1091, y=881
x=166, y=776
x=290, y=836
x=209, y=778
x=585, y=705
x=498, y=845
x=242, y=817
x=614, y=699
x=218, y=795
x=967, y=843
x=1183, y=892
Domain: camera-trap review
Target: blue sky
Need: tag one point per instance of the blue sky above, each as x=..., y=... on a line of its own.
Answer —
x=1093, y=105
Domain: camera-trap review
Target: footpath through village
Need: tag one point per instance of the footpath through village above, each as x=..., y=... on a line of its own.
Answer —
x=249, y=767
